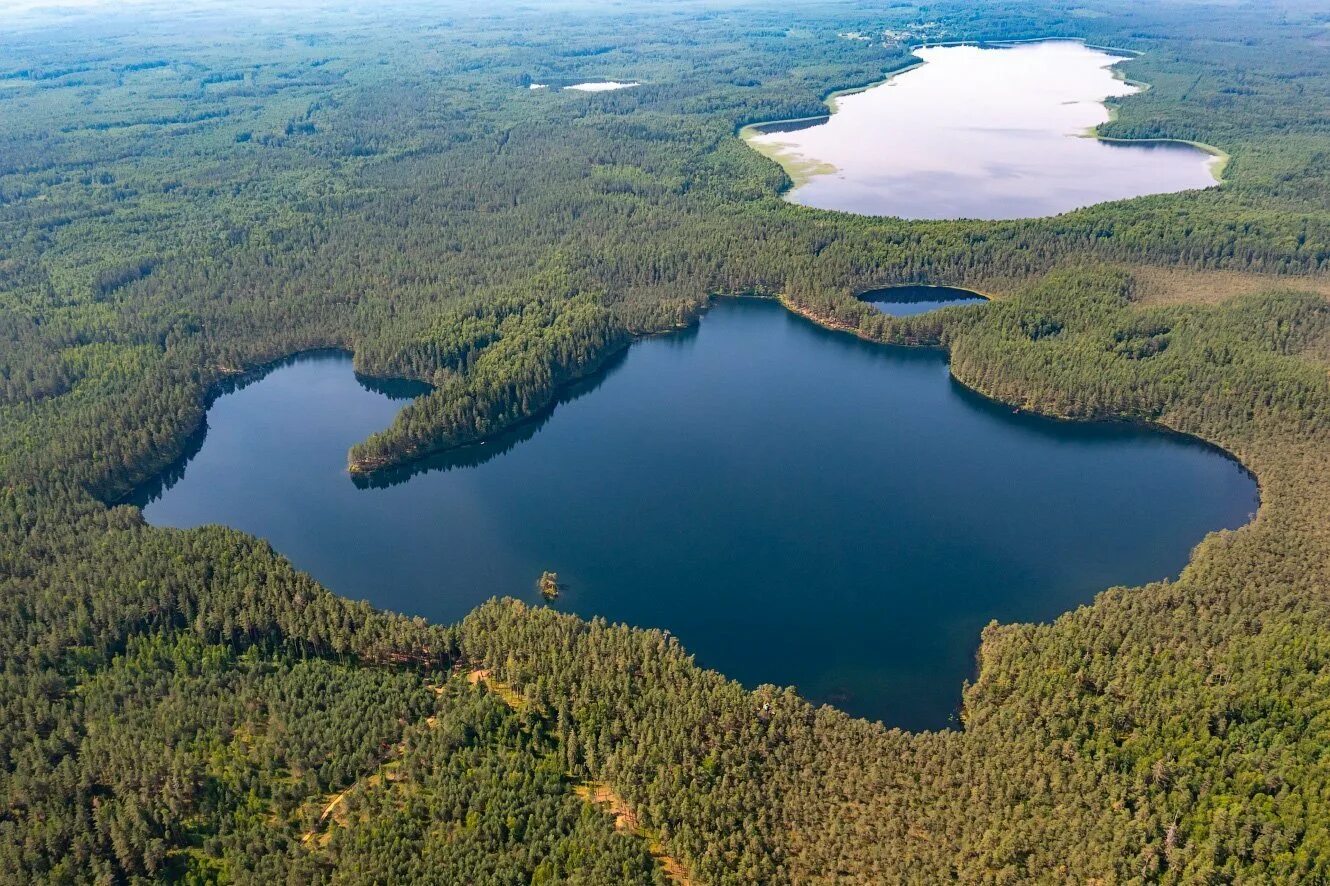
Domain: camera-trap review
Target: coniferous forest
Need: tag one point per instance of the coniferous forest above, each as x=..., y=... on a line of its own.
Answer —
x=187, y=195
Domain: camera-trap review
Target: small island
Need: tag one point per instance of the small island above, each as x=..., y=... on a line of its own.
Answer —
x=549, y=585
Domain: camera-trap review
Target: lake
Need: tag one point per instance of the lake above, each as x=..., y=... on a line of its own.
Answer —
x=602, y=86
x=979, y=132
x=905, y=301
x=796, y=505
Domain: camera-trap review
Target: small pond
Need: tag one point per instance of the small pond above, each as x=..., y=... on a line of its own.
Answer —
x=904, y=301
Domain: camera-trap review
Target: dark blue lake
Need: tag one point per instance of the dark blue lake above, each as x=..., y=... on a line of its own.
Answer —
x=903, y=301
x=796, y=505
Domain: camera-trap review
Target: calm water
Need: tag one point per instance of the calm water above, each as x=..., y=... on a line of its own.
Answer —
x=797, y=506
x=903, y=301
x=981, y=133
x=603, y=86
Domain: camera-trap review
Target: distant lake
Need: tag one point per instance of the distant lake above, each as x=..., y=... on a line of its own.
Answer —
x=904, y=301
x=602, y=86
x=795, y=505
x=979, y=132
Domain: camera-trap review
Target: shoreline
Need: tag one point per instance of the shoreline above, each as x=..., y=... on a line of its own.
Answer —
x=1219, y=158
x=836, y=326
x=233, y=380
x=798, y=169
x=986, y=296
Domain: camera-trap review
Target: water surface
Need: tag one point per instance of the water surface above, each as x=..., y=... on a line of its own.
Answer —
x=797, y=506
x=602, y=86
x=905, y=301
x=980, y=133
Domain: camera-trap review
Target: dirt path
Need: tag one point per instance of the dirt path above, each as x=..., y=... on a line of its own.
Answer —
x=600, y=794
x=333, y=806
x=380, y=773
x=329, y=811
x=596, y=793
x=499, y=688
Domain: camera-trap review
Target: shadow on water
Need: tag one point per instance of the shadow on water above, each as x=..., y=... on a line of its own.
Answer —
x=1062, y=431
x=909, y=299
x=789, y=125
x=157, y=486
x=399, y=389
x=1079, y=430
x=394, y=388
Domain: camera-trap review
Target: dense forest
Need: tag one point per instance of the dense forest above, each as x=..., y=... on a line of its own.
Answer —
x=187, y=197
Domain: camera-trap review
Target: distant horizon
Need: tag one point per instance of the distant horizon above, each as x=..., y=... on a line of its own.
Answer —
x=42, y=13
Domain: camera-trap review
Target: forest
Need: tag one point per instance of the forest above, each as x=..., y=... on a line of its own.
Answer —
x=186, y=198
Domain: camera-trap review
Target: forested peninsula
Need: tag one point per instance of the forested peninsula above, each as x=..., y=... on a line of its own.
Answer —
x=187, y=198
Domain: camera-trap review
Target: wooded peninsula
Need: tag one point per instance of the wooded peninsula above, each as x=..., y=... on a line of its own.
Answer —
x=186, y=197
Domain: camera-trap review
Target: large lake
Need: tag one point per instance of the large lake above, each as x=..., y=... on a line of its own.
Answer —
x=980, y=133
x=796, y=505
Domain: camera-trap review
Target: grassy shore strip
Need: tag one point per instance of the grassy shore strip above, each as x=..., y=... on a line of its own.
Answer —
x=829, y=100
x=1217, y=168
x=1132, y=53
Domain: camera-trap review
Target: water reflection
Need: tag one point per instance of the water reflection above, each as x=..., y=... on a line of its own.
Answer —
x=394, y=388
x=479, y=453
x=980, y=133
x=906, y=301
x=796, y=505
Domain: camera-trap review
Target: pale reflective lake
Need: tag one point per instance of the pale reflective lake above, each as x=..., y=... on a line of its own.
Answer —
x=980, y=132
x=602, y=86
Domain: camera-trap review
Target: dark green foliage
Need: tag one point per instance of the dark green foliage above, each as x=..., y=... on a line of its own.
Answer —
x=185, y=199
x=414, y=212
x=480, y=797
x=1168, y=732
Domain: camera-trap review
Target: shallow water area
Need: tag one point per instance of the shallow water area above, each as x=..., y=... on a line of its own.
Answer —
x=795, y=505
x=980, y=132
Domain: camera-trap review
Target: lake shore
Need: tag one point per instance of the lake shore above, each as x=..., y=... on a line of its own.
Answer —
x=682, y=444
x=800, y=169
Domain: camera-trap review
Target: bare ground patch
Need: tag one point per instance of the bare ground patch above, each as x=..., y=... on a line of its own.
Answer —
x=596, y=793
x=600, y=794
